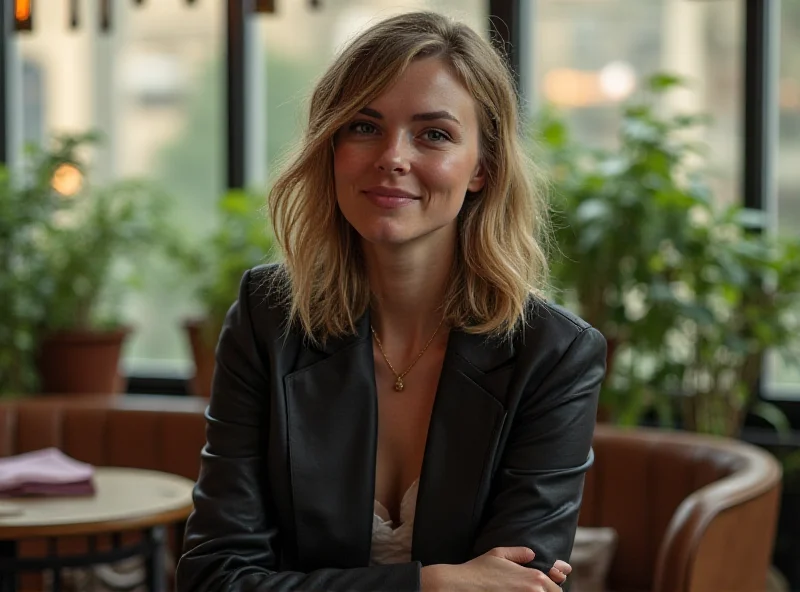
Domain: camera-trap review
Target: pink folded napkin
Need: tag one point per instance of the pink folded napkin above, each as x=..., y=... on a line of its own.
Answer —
x=44, y=472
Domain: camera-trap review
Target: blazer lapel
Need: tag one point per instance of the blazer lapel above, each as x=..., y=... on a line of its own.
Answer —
x=332, y=415
x=466, y=422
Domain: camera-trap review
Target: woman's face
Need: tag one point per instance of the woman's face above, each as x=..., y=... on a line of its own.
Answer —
x=403, y=165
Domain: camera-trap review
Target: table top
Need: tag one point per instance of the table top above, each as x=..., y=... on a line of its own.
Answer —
x=125, y=499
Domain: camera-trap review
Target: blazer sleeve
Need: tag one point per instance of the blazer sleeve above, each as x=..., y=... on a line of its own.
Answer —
x=537, y=488
x=232, y=539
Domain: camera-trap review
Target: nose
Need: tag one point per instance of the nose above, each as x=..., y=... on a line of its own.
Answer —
x=394, y=156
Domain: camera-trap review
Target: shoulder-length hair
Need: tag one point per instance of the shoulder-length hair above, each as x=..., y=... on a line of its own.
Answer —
x=500, y=257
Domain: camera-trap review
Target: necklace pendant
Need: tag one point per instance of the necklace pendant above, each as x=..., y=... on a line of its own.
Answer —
x=399, y=386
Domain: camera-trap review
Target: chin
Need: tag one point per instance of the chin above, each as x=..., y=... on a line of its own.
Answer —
x=386, y=236
x=397, y=232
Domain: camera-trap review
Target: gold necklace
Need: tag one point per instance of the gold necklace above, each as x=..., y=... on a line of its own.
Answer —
x=398, y=385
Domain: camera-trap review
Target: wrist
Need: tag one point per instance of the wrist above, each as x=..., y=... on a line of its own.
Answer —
x=432, y=578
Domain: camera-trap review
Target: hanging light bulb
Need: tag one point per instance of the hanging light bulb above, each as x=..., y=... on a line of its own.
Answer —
x=105, y=15
x=264, y=6
x=23, y=15
x=74, y=9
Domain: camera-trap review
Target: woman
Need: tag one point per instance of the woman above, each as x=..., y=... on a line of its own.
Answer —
x=395, y=407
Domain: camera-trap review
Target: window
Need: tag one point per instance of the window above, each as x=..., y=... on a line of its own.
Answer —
x=589, y=55
x=32, y=107
x=153, y=86
x=783, y=379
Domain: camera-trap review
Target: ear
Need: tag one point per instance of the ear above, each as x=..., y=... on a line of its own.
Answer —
x=478, y=179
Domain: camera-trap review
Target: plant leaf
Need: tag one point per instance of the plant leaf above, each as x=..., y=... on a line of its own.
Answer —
x=773, y=415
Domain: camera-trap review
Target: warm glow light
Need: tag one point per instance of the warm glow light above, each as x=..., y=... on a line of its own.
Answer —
x=572, y=88
x=67, y=180
x=22, y=11
x=617, y=79
x=789, y=96
x=579, y=88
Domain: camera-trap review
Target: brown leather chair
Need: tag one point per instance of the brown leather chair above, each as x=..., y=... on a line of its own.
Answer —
x=693, y=513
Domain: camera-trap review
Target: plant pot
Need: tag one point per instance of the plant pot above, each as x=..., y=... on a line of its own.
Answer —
x=82, y=362
x=605, y=413
x=611, y=349
x=203, y=352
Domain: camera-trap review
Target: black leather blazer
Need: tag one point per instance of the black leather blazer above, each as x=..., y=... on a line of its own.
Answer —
x=284, y=500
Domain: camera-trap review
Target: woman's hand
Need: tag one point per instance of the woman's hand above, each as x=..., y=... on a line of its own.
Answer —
x=500, y=570
x=560, y=571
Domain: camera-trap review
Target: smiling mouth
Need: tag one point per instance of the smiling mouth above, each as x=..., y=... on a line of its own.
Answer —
x=387, y=191
x=389, y=200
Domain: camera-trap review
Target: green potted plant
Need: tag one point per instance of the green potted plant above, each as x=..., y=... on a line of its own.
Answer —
x=689, y=295
x=733, y=290
x=90, y=254
x=29, y=207
x=613, y=210
x=242, y=240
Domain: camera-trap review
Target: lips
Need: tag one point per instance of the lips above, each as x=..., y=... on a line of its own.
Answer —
x=389, y=197
x=390, y=192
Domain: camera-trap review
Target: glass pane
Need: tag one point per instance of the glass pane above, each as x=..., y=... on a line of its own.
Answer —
x=785, y=378
x=152, y=85
x=170, y=127
x=299, y=43
x=589, y=55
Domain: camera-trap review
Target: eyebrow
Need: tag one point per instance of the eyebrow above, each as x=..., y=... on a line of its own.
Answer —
x=433, y=115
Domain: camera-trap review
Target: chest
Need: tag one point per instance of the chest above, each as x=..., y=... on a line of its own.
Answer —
x=327, y=466
x=403, y=422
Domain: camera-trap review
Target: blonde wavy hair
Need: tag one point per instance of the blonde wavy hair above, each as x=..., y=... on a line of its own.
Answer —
x=500, y=257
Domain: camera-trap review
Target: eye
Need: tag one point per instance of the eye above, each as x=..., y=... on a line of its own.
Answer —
x=362, y=127
x=437, y=135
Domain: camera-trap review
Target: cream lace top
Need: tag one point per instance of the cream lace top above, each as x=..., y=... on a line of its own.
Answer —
x=391, y=543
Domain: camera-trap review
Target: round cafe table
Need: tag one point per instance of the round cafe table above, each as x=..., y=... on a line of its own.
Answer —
x=126, y=500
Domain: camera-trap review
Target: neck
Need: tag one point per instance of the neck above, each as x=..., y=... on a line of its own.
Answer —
x=408, y=286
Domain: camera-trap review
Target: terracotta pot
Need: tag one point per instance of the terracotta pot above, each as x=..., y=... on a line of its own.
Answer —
x=82, y=362
x=604, y=412
x=610, y=351
x=203, y=352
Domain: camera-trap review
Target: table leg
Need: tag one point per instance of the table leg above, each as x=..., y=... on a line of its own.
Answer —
x=8, y=579
x=180, y=531
x=55, y=586
x=52, y=551
x=156, y=570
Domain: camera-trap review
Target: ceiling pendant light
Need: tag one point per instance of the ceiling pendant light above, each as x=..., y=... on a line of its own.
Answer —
x=264, y=6
x=74, y=9
x=23, y=15
x=268, y=6
x=105, y=15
